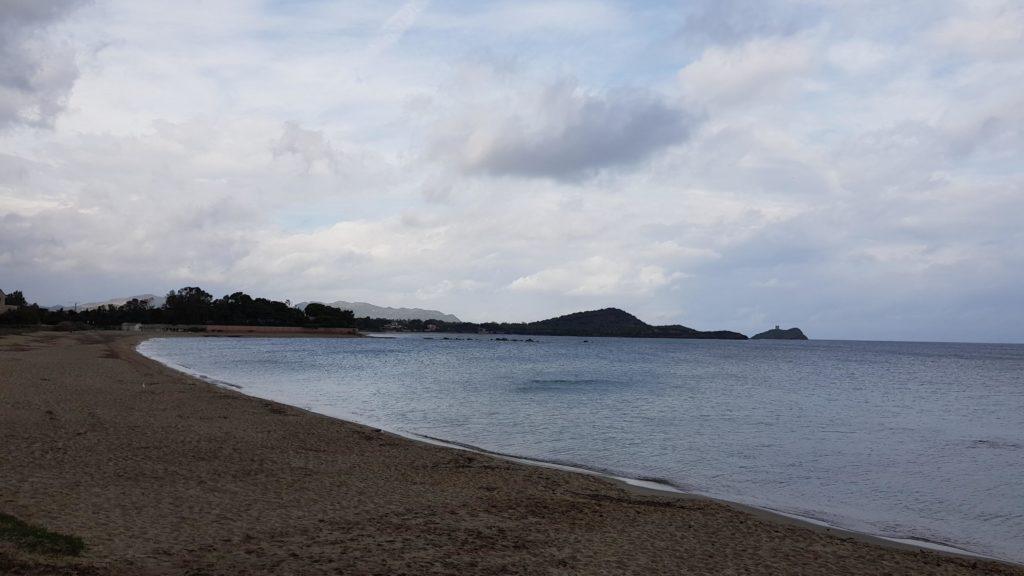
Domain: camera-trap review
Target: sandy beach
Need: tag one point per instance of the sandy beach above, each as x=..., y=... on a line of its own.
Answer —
x=161, y=473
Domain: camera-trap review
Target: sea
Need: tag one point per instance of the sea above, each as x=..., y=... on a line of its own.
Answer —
x=905, y=440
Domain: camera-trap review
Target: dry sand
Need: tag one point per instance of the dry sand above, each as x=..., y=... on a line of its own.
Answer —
x=160, y=473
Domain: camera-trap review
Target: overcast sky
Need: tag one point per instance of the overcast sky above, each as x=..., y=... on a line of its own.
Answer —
x=853, y=168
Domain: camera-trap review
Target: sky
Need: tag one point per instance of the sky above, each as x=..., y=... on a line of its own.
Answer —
x=852, y=168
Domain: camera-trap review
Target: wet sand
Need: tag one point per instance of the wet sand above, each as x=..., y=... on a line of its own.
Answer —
x=160, y=473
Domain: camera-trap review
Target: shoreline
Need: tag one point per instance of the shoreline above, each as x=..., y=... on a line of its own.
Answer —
x=160, y=472
x=665, y=489
x=646, y=486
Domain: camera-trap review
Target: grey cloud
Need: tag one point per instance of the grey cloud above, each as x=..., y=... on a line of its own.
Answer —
x=36, y=73
x=36, y=11
x=309, y=145
x=579, y=134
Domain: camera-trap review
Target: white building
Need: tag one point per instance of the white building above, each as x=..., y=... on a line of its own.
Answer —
x=131, y=326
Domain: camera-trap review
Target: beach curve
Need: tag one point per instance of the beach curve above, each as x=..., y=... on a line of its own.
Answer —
x=131, y=452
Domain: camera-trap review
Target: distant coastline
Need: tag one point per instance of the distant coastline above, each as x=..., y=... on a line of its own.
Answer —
x=193, y=309
x=607, y=322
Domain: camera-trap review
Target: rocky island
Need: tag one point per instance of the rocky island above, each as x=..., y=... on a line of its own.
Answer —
x=780, y=334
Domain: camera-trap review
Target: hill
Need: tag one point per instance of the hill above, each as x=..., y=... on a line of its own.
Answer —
x=615, y=322
x=607, y=320
x=604, y=322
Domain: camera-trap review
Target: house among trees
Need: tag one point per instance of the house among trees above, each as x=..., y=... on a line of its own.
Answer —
x=4, y=307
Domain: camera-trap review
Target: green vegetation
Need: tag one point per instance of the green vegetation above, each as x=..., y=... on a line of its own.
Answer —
x=329, y=316
x=191, y=306
x=37, y=539
x=16, y=298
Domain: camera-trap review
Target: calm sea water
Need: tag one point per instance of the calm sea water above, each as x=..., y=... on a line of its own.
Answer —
x=906, y=440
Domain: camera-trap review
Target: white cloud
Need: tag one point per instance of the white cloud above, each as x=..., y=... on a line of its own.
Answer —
x=597, y=275
x=859, y=56
x=725, y=75
x=25, y=206
x=987, y=29
x=573, y=17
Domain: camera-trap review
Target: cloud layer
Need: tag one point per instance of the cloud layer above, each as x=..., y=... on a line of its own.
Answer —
x=851, y=168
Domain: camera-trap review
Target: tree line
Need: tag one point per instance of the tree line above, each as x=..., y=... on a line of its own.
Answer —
x=186, y=306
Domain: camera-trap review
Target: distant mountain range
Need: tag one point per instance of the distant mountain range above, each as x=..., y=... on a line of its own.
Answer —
x=365, y=309
x=154, y=301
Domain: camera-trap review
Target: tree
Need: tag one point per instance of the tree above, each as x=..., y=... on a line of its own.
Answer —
x=134, y=310
x=23, y=316
x=329, y=316
x=232, y=308
x=136, y=305
x=189, y=305
x=16, y=298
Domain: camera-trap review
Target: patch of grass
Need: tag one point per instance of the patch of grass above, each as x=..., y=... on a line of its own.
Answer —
x=37, y=539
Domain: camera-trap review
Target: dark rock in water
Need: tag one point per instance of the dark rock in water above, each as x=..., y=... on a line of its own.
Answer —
x=780, y=334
